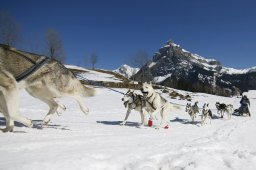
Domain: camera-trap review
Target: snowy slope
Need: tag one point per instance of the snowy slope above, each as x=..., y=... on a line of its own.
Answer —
x=97, y=141
x=126, y=70
x=95, y=75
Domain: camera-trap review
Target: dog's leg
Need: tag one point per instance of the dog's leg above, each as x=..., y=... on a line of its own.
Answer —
x=193, y=116
x=164, y=113
x=9, y=122
x=221, y=114
x=143, y=113
x=126, y=117
x=9, y=125
x=202, y=120
x=81, y=104
x=11, y=96
x=60, y=109
x=42, y=93
x=53, y=107
x=162, y=121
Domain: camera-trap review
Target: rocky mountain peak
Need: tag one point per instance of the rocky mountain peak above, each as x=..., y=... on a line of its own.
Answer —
x=176, y=67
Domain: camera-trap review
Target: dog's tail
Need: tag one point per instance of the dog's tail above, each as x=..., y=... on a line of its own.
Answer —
x=89, y=91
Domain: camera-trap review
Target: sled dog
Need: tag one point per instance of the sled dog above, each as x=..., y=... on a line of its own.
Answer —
x=192, y=110
x=156, y=103
x=134, y=101
x=206, y=114
x=229, y=110
x=48, y=82
x=222, y=108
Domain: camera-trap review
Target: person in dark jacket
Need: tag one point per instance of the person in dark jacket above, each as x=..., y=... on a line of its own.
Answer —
x=245, y=103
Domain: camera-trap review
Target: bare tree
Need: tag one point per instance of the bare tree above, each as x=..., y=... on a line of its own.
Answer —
x=140, y=59
x=85, y=61
x=9, y=29
x=93, y=60
x=54, y=45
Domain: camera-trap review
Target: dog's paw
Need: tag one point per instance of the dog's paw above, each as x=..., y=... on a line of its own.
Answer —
x=86, y=111
x=123, y=123
x=7, y=129
x=46, y=122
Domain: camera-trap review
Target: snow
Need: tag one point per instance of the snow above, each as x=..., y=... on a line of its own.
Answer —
x=76, y=67
x=207, y=63
x=95, y=75
x=160, y=79
x=153, y=63
x=97, y=141
x=237, y=71
x=127, y=71
x=98, y=76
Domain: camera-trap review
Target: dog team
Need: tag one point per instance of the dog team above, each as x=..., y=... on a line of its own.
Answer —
x=48, y=80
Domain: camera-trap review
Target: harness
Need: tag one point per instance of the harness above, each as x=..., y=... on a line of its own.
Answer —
x=152, y=104
x=31, y=70
x=134, y=99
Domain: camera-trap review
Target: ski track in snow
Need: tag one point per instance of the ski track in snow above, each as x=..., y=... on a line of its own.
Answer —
x=97, y=141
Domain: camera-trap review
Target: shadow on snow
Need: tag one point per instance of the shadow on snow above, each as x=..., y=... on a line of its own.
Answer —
x=132, y=124
x=37, y=124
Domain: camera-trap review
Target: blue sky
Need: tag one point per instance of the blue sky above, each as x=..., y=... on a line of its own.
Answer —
x=117, y=29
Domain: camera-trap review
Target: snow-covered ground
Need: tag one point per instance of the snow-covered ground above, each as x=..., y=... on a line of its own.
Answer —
x=95, y=75
x=97, y=141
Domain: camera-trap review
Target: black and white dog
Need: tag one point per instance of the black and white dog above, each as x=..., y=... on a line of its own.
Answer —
x=223, y=108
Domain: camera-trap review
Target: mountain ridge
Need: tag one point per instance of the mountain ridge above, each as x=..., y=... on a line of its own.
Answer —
x=176, y=67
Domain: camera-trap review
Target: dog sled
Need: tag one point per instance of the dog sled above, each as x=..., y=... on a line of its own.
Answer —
x=242, y=110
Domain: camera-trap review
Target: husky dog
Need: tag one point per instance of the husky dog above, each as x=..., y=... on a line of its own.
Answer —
x=192, y=110
x=206, y=113
x=47, y=83
x=155, y=103
x=133, y=101
x=229, y=110
x=221, y=108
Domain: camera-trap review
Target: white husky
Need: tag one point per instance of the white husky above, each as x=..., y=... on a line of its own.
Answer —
x=48, y=82
x=156, y=104
x=206, y=114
